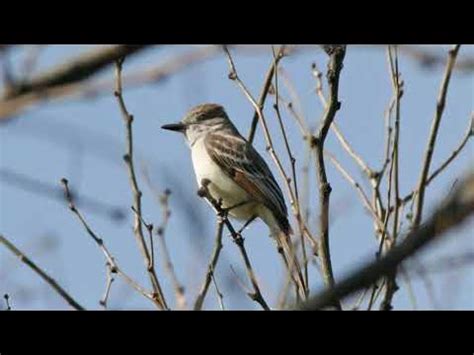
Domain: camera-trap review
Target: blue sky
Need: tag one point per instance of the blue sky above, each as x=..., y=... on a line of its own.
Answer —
x=83, y=140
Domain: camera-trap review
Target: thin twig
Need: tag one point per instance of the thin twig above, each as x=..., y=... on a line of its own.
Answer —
x=149, y=227
x=263, y=94
x=354, y=183
x=108, y=285
x=408, y=283
x=454, y=154
x=163, y=201
x=49, y=280
x=318, y=75
x=211, y=266
x=53, y=192
x=384, y=235
x=300, y=120
x=450, y=214
x=293, y=172
x=294, y=106
x=168, y=264
x=240, y=282
x=345, y=144
x=420, y=191
x=469, y=134
x=220, y=296
x=100, y=243
x=137, y=194
x=391, y=285
x=373, y=176
x=282, y=299
x=270, y=148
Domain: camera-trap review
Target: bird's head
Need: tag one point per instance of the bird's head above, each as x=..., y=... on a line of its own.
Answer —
x=200, y=120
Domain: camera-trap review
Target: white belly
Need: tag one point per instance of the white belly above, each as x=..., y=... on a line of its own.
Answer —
x=221, y=185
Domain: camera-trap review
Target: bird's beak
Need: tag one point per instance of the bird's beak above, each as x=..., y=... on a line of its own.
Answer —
x=177, y=127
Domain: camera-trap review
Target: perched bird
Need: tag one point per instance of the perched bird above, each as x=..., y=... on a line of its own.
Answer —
x=236, y=172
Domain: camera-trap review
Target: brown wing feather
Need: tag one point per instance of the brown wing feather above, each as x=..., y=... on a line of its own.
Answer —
x=241, y=162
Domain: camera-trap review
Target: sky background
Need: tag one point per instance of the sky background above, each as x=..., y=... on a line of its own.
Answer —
x=83, y=140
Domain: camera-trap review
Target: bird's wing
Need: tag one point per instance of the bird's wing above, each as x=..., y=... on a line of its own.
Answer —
x=241, y=162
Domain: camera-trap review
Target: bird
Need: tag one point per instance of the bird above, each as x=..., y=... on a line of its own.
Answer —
x=236, y=174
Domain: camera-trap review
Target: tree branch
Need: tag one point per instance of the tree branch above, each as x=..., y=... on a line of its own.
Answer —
x=110, y=260
x=211, y=266
x=391, y=285
x=74, y=70
x=270, y=148
x=420, y=191
x=49, y=280
x=256, y=295
x=137, y=194
x=451, y=213
x=336, y=58
x=27, y=183
x=263, y=95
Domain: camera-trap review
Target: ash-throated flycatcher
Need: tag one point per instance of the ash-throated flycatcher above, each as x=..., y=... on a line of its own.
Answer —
x=238, y=175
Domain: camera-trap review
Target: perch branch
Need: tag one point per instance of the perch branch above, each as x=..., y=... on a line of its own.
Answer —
x=256, y=295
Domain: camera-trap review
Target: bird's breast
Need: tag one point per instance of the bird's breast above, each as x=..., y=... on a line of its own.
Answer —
x=221, y=186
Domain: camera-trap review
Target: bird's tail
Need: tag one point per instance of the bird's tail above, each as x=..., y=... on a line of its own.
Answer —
x=285, y=247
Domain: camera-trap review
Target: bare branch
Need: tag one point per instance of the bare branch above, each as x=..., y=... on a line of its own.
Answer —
x=220, y=296
x=90, y=88
x=27, y=183
x=265, y=89
x=451, y=213
x=168, y=265
x=49, y=280
x=469, y=134
x=137, y=194
x=100, y=243
x=420, y=191
x=77, y=69
x=336, y=58
x=163, y=200
x=263, y=95
x=292, y=159
x=212, y=265
x=391, y=286
x=430, y=60
x=108, y=285
x=365, y=200
x=256, y=295
x=270, y=148
x=454, y=154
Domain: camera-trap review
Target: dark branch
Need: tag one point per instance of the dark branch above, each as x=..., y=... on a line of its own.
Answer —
x=448, y=215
